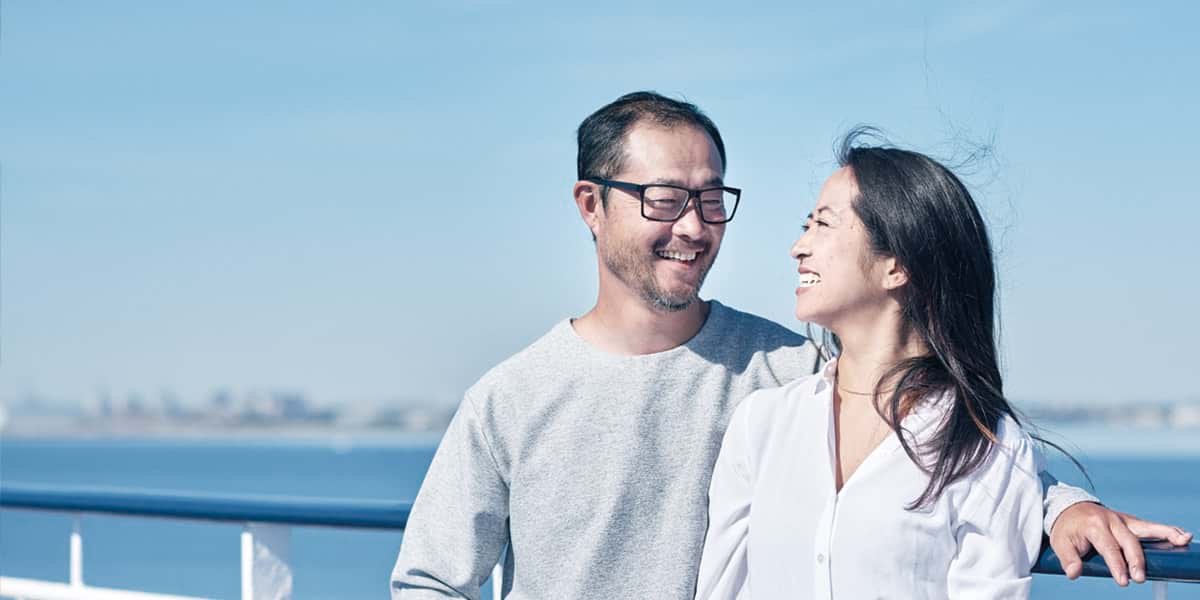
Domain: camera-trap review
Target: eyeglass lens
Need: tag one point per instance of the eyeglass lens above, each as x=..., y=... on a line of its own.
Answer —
x=660, y=202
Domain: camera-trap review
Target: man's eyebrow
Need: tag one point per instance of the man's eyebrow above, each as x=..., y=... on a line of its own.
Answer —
x=711, y=182
x=666, y=181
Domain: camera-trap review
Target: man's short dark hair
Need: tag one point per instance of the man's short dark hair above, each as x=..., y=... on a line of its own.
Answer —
x=601, y=136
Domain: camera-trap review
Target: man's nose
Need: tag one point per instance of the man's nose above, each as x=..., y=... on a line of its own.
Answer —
x=689, y=224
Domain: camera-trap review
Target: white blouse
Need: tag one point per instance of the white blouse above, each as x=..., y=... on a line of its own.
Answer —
x=778, y=527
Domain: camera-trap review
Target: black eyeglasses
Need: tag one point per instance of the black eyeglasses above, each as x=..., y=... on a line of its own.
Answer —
x=661, y=202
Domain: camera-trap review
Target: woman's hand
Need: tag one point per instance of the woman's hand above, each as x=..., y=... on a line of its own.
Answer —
x=1116, y=536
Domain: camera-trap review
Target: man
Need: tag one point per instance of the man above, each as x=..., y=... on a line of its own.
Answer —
x=589, y=453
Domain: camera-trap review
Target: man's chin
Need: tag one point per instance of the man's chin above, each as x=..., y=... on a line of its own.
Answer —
x=672, y=302
x=670, y=305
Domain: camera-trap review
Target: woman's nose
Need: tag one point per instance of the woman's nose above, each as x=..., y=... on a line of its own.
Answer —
x=799, y=249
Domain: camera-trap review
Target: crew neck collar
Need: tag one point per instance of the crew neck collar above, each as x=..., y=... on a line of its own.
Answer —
x=717, y=314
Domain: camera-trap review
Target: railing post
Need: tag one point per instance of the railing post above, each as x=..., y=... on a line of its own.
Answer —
x=76, y=573
x=247, y=563
x=266, y=553
x=497, y=580
x=1160, y=590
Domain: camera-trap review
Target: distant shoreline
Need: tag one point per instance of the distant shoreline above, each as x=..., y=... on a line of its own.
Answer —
x=307, y=436
x=1083, y=440
x=1106, y=440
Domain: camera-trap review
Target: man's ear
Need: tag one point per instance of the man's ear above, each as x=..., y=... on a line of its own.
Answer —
x=587, y=200
x=894, y=275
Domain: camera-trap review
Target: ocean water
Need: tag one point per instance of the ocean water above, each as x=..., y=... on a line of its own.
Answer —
x=202, y=559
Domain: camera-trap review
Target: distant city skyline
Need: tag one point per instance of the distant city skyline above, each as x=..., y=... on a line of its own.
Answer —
x=372, y=201
x=294, y=415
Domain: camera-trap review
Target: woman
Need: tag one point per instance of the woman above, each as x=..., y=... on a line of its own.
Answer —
x=900, y=471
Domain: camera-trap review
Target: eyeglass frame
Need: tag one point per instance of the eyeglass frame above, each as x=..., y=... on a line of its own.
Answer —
x=640, y=189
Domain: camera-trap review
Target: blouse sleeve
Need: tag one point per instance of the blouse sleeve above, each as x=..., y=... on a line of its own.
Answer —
x=999, y=529
x=724, y=566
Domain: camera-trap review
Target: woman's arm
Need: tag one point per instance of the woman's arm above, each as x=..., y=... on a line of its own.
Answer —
x=724, y=567
x=999, y=526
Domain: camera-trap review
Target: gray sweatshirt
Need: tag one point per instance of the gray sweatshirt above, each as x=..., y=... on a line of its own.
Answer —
x=592, y=468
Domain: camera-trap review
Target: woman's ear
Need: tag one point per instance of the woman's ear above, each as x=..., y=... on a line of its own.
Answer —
x=894, y=275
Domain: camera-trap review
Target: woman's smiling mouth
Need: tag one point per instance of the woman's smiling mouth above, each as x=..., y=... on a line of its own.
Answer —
x=809, y=278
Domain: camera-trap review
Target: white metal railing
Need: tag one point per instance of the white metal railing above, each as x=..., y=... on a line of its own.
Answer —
x=266, y=572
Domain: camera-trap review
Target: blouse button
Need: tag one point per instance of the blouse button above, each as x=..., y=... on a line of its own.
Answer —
x=820, y=558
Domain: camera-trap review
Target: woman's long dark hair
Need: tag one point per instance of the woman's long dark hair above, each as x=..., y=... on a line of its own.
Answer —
x=919, y=212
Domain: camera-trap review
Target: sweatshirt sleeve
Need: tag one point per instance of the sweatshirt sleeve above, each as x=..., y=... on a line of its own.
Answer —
x=724, y=566
x=999, y=531
x=459, y=522
x=1059, y=496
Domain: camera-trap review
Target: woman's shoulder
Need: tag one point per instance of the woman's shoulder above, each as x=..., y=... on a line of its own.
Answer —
x=1013, y=454
x=1012, y=438
x=780, y=404
x=799, y=390
x=1007, y=482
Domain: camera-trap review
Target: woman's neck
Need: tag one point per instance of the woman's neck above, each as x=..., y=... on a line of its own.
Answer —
x=869, y=351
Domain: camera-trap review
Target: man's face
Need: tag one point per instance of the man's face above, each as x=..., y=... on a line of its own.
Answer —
x=663, y=262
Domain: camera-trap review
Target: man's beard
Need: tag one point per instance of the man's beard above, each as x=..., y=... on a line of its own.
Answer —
x=635, y=270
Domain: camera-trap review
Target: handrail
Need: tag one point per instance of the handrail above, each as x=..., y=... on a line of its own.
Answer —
x=330, y=512
x=1163, y=561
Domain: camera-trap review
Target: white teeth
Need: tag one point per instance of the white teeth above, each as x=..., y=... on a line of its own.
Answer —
x=809, y=279
x=673, y=255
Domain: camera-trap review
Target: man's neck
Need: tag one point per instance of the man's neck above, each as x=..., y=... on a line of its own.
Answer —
x=633, y=327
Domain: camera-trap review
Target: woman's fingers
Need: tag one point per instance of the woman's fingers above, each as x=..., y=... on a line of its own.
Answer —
x=1131, y=547
x=1106, y=546
x=1069, y=555
x=1157, y=531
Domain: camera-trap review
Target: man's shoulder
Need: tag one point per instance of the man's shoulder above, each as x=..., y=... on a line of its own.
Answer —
x=760, y=333
x=533, y=363
x=745, y=322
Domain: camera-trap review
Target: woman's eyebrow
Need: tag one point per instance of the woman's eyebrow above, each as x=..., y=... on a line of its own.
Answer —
x=828, y=212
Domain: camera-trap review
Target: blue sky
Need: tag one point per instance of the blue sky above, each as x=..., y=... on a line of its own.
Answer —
x=372, y=201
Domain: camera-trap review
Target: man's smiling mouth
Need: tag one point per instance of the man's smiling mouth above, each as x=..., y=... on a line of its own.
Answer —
x=676, y=255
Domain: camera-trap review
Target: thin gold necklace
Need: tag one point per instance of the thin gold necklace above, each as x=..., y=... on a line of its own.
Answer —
x=846, y=391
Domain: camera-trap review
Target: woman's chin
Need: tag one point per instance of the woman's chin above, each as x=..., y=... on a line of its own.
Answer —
x=812, y=317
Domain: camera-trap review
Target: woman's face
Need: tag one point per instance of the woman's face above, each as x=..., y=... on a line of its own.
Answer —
x=841, y=279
